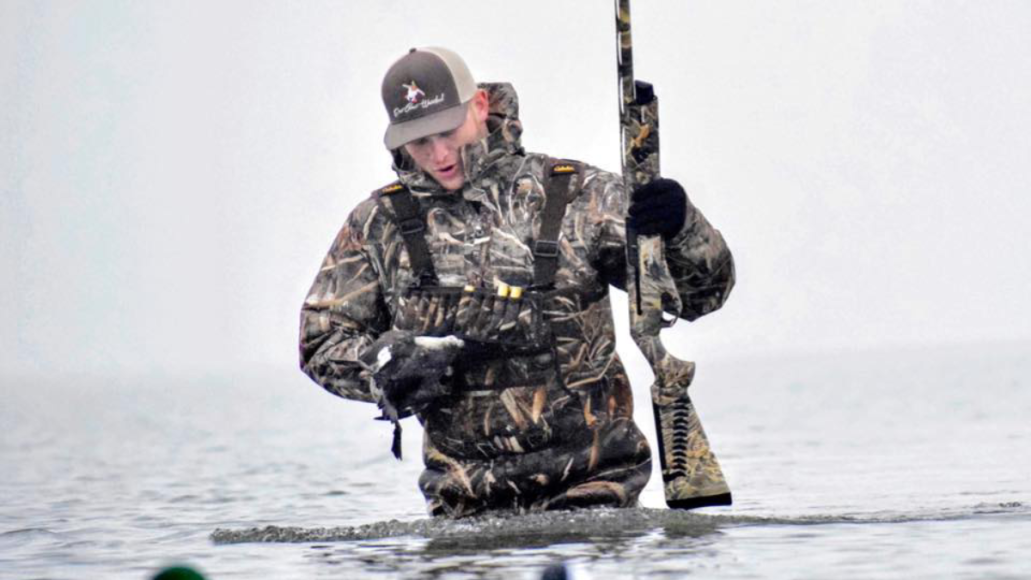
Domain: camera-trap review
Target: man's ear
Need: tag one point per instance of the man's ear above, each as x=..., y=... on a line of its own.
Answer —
x=481, y=105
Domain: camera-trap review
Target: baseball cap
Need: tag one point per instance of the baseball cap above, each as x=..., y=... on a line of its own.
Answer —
x=425, y=92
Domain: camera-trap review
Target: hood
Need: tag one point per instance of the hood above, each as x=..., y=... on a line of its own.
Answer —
x=503, y=139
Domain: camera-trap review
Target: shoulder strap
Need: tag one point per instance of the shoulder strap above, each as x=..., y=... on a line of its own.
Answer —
x=558, y=173
x=404, y=211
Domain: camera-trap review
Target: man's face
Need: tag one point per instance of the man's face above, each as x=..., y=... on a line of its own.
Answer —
x=440, y=155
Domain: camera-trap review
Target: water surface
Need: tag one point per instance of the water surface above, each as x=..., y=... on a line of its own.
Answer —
x=866, y=465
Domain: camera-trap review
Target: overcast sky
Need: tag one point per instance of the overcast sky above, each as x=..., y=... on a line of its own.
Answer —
x=172, y=173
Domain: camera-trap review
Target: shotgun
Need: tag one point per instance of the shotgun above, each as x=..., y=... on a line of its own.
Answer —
x=691, y=475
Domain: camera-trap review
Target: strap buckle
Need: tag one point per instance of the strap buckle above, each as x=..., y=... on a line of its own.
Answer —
x=411, y=226
x=545, y=248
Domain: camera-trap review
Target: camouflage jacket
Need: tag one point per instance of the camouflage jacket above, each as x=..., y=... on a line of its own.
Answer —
x=531, y=446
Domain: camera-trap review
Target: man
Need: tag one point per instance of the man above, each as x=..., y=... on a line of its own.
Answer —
x=473, y=292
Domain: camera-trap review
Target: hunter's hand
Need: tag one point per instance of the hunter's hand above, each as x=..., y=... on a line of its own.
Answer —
x=658, y=207
x=407, y=369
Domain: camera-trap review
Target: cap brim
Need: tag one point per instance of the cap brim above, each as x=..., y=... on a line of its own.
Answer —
x=400, y=133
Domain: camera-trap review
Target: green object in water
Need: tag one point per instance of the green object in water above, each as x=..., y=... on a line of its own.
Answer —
x=179, y=573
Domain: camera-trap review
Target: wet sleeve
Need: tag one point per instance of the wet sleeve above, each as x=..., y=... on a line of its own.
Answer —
x=699, y=260
x=342, y=315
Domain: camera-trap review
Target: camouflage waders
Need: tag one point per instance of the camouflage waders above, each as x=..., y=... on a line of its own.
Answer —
x=508, y=392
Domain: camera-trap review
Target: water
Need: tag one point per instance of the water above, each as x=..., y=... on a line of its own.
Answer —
x=905, y=464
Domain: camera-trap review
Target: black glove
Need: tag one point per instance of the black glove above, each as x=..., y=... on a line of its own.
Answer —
x=658, y=207
x=407, y=370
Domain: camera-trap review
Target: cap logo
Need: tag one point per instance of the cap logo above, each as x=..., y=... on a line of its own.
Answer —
x=413, y=92
x=417, y=100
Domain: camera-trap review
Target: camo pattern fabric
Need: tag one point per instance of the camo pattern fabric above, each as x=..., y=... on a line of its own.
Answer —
x=541, y=431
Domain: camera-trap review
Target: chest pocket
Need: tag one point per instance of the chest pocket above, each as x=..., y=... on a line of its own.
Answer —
x=507, y=320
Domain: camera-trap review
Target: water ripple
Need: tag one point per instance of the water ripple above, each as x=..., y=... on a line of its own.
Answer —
x=583, y=524
x=26, y=536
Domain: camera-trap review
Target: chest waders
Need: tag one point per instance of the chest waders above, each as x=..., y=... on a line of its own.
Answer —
x=507, y=396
